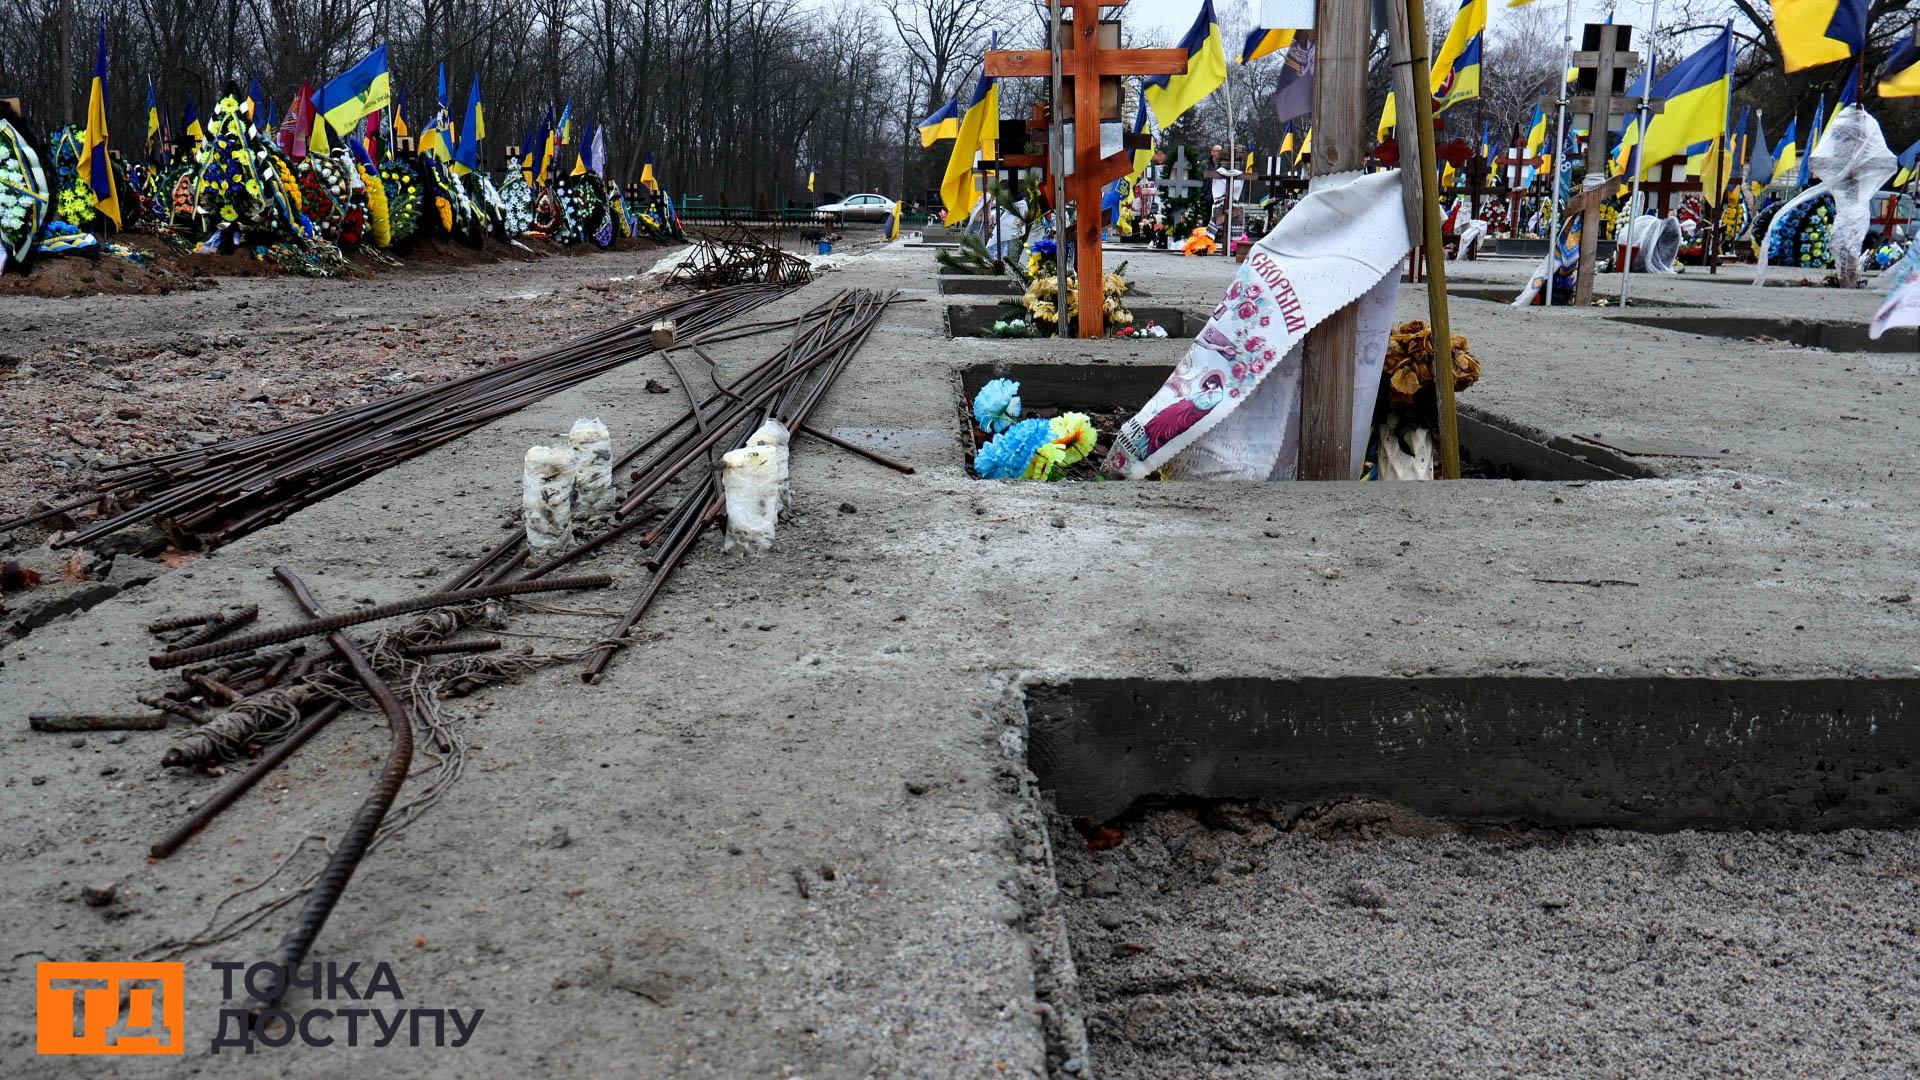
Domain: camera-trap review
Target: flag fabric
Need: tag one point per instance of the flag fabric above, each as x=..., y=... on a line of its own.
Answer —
x=190, y=123
x=1759, y=170
x=297, y=132
x=318, y=142
x=1696, y=94
x=1786, y=156
x=400, y=130
x=956, y=186
x=1630, y=133
x=98, y=165
x=1714, y=173
x=1901, y=75
x=1293, y=96
x=1815, y=32
x=1536, y=131
x=583, y=161
x=944, y=123
x=544, y=150
x=1389, y=116
x=256, y=103
x=1264, y=42
x=647, y=177
x=1909, y=165
x=1456, y=67
x=466, y=159
x=1173, y=95
x=1813, y=141
x=1143, y=156
x=563, y=134
x=1306, y=144
x=359, y=90
x=153, y=117
x=810, y=175
x=893, y=228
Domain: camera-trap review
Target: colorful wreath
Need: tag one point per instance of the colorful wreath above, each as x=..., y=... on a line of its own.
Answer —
x=516, y=204
x=403, y=199
x=24, y=199
x=379, y=225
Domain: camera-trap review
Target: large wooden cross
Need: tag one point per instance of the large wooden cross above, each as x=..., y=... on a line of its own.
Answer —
x=1603, y=63
x=1094, y=67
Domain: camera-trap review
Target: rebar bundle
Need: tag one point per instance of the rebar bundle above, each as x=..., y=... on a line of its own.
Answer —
x=740, y=256
x=218, y=493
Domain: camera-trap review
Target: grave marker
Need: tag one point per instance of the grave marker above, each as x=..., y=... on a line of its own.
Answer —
x=1090, y=56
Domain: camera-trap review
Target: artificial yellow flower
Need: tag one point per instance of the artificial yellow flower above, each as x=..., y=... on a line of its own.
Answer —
x=1075, y=435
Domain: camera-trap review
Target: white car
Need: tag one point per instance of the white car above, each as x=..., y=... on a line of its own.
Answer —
x=859, y=208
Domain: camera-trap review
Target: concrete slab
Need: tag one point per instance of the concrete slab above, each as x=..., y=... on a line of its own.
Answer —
x=801, y=838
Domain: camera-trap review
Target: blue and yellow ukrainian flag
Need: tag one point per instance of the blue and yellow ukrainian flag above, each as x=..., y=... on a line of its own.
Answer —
x=94, y=144
x=944, y=123
x=256, y=103
x=1815, y=32
x=1786, y=156
x=1389, y=116
x=810, y=176
x=357, y=91
x=1456, y=67
x=1536, y=130
x=1909, y=164
x=1265, y=42
x=1813, y=141
x=583, y=162
x=1696, y=94
x=1172, y=95
x=153, y=117
x=466, y=159
x=1142, y=157
x=190, y=123
x=1901, y=76
x=979, y=126
x=647, y=177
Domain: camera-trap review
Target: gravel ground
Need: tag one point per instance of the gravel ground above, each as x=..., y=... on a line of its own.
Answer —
x=1239, y=941
x=82, y=395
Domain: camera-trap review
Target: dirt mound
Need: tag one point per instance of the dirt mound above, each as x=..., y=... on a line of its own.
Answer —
x=160, y=269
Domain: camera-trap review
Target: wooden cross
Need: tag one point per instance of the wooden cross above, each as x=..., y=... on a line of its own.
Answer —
x=1513, y=168
x=1094, y=67
x=1669, y=178
x=1603, y=63
x=1890, y=217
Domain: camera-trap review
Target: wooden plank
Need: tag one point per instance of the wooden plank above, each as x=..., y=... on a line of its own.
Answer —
x=1339, y=145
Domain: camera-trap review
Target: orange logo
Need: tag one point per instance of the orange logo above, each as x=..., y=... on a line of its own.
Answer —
x=111, y=1008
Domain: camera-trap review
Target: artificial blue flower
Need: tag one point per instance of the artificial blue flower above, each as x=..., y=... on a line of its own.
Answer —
x=1045, y=246
x=1011, y=451
x=997, y=406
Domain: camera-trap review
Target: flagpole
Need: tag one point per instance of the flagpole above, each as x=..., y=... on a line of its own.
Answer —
x=1725, y=169
x=1227, y=249
x=1638, y=166
x=1559, y=160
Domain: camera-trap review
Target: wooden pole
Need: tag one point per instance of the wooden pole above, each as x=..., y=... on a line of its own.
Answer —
x=1343, y=37
x=1596, y=166
x=1414, y=14
x=1057, y=160
x=1413, y=185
